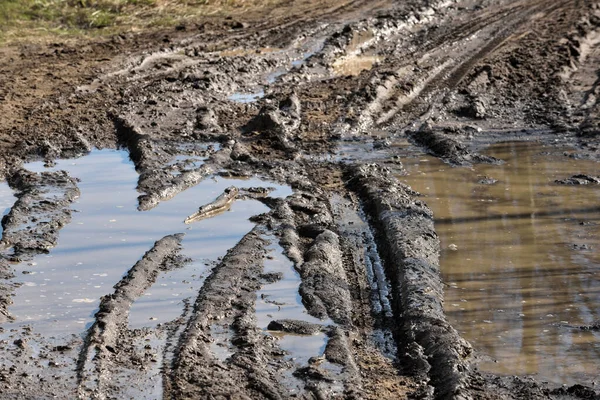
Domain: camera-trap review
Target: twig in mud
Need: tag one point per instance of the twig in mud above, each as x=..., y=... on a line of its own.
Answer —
x=218, y=206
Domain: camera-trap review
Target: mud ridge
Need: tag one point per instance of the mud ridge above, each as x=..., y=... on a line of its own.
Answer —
x=269, y=93
x=309, y=232
x=150, y=157
x=108, y=346
x=406, y=235
x=228, y=294
x=324, y=288
x=216, y=207
x=580, y=179
x=440, y=144
x=41, y=210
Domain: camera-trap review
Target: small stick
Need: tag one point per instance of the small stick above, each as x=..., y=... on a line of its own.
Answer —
x=218, y=206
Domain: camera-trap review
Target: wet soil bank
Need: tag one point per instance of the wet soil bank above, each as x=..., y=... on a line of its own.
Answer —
x=324, y=101
x=411, y=250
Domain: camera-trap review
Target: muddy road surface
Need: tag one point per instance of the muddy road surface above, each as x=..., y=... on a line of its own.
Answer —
x=221, y=210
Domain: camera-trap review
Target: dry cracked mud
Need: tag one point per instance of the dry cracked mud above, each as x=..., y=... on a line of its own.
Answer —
x=317, y=97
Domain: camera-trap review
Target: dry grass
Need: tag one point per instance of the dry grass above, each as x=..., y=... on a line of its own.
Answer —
x=21, y=19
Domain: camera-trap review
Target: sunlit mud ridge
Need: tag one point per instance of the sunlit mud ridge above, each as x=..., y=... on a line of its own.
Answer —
x=42, y=208
x=432, y=348
x=249, y=235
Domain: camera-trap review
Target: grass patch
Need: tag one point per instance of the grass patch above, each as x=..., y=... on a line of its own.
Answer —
x=22, y=19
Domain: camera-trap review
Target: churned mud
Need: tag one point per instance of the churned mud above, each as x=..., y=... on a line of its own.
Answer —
x=341, y=199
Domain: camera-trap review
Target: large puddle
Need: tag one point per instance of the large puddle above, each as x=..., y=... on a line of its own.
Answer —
x=60, y=291
x=520, y=258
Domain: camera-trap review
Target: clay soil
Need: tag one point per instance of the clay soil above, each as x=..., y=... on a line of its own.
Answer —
x=448, y=76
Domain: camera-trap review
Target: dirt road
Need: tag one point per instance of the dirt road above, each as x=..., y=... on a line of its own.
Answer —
x=316, y=97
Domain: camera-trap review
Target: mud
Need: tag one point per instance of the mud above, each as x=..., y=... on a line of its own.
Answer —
x=434, y=349
x=218, y=206
x=443, y=145
x=579, y=179
x=42, y=208
x=327, y=99
x=108, y=344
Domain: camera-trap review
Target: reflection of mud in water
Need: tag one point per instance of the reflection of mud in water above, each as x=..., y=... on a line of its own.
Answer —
x=60, y=291
x=280, y=299
x=520, y=257
x=7, y=199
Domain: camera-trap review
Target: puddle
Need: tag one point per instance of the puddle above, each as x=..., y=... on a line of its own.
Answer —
x=302, y=348
x=309, y=51
x=354, y=65
x=247, y=97
x=281, y=300
x=520, y=259
x=60, y=291
x=7, y=200
x=221, y=345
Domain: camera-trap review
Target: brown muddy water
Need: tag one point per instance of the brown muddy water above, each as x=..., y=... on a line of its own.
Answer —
x=354, y=65
x=520, y=258
x=357, y=59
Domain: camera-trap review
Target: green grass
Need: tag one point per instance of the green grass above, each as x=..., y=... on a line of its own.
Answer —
x=22, y=19
x=73, y=14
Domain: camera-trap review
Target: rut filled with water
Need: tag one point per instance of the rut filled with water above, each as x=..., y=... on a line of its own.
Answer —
x=519, y=258
x=59, y=292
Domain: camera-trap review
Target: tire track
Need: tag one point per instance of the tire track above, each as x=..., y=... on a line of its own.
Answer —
x=109, y=348
x=421, y=93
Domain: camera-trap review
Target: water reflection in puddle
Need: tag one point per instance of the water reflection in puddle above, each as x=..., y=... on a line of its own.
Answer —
x=247, y=97
x=281, y=300
x=106, y=237
x=302, y=348
x=520, y=258
x=7, y=199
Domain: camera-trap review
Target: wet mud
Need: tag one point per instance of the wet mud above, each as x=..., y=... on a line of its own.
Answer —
x=307, y=268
